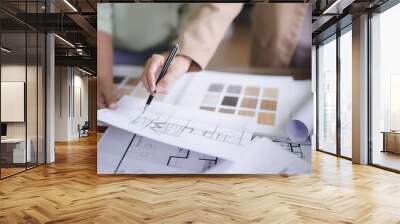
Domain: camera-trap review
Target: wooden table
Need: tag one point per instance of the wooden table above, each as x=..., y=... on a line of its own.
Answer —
x=13, y=150
x=391, y=141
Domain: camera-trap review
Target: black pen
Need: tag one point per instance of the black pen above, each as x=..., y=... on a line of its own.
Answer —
x=172, y=53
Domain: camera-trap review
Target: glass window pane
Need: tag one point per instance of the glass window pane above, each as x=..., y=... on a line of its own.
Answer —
x=23, y=89
x=385, y=84
x=346, y=94
x=41, y=99
x=31, y=97
x=32, y=89
x=14, y=153
x=327, y=97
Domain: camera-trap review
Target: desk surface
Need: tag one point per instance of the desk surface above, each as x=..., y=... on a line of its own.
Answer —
x=13, y=140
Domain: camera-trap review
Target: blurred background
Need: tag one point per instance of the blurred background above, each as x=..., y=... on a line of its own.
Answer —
x=242, y=48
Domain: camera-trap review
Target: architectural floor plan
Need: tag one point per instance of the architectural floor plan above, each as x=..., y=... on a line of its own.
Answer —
x=205, y=132
x=209, y=123
x=168, y=139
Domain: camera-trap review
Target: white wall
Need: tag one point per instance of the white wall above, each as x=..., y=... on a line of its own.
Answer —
x=33, y=126
x=80, y=109
x=61, y=103
x=17, y=73
x=11, y=73
x=71, y=93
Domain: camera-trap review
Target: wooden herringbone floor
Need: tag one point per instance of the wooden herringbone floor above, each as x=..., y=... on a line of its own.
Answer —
x=70, y=191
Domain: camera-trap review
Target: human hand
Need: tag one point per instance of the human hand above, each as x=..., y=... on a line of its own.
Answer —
x=152, y=69
x=107, y=93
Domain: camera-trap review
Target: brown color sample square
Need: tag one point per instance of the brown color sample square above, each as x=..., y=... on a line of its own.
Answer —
x=249, y=103
x=268, y=105
x=270, y=92
x=252, y=91
x=247, y=113
x=266, y=118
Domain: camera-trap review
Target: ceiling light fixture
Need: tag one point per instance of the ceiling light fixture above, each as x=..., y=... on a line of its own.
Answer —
x=84, y=71
x=65, y=41
x=79, y=51
x=70, y=5
x=337, y=7
x=5, y=50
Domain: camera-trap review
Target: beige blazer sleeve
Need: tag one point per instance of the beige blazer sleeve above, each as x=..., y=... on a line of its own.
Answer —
x=276, y=30
x=204, y=30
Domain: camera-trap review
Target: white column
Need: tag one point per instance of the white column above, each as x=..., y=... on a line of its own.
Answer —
x=314, y=92
x=50, y=99
x=360, y=90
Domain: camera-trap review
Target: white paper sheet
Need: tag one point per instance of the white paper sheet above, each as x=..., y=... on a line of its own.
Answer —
x=191, y=88
x=110, y=149
x=214, y=134
x=141, y=155
x=121, y=152
x=300, y=126
x=263, y=157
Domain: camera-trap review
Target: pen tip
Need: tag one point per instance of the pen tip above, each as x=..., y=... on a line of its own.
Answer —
x=144, y=109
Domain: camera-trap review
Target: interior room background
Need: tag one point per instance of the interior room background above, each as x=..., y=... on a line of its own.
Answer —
x=43, y=99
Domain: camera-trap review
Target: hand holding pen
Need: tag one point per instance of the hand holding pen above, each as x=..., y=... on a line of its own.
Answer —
x=164, y=76
x=180, y=65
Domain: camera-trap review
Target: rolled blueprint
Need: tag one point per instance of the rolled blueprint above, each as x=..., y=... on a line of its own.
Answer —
x=300, y=126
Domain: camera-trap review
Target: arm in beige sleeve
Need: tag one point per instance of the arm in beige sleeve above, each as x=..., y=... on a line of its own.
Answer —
x=204, y=30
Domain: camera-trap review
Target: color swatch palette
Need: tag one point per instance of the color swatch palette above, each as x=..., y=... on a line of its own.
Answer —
x=132, y=86
x=263, y=102
x=125, y=84
x=251, y=101
x=258, y=102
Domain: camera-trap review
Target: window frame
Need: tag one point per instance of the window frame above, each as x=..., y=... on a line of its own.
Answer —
x=333, y=37
x=371, y=14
